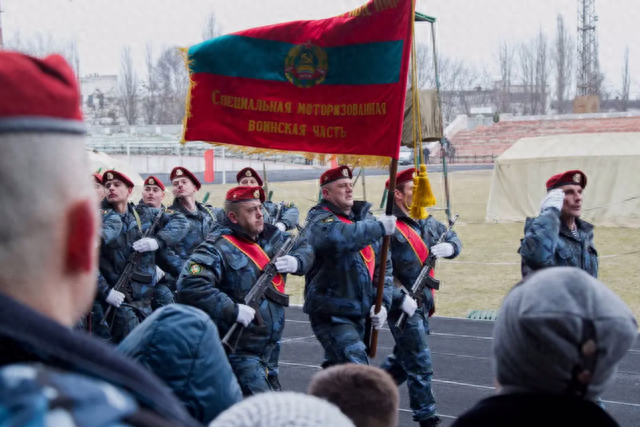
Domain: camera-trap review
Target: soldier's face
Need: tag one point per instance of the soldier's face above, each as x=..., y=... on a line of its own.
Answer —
x=100, y=191
x=249, y=217
x=340, y=193
x=117, y=191
x=572, y=206
x=404, y=195
x=183, y=187
x=152, y=195
x=249, y=181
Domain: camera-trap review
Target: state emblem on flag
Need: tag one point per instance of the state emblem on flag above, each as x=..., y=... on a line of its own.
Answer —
x=306, y=65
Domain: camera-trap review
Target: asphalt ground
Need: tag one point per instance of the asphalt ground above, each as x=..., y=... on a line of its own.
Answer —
x=461, y=354
x=310, y=174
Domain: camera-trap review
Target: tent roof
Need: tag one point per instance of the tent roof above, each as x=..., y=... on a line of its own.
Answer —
x=576, y=145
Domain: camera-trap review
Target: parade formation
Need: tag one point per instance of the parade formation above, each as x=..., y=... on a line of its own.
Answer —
x=158, y=314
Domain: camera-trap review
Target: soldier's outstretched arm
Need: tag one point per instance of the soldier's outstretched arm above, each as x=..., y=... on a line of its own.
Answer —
x=111, y=226
x=329, y=235
x=389, y=287
x=289, y=216
x=541, y=239
x=303, y=252
x=175, y=227
x=197, y=285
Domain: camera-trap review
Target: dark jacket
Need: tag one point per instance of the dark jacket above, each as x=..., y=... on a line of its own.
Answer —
x=218, y=276
x=534, y=410
x=548, y=242
x=87, y=375
x=339, y=283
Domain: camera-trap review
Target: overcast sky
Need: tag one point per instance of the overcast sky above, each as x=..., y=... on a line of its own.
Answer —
x=467, y=29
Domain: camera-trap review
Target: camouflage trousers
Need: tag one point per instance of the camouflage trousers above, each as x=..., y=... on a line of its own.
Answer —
x=251, y=372
x=273, y=364
x=127, y=317
x=162, y=297
x=341, y=338
x=411, y=362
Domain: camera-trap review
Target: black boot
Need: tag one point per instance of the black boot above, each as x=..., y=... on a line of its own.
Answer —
x=275, y=384
x=431, y=422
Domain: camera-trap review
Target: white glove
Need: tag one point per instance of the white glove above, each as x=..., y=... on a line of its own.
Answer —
x=159, y=273
x=554, y=199
x=442, y=250
x=281, y=226
x=115, y=298
x=389, y=223
x=245, y=314
x=377, y=320
x=287, y=264
x=409, y=305
x=146, y=245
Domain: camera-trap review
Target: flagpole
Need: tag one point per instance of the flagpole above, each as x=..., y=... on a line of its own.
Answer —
x=373, y=342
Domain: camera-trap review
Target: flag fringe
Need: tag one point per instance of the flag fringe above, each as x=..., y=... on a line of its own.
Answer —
x=184, y=52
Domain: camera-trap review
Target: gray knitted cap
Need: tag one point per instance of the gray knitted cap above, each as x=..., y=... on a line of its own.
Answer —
x=561, y=331
x=282, y=409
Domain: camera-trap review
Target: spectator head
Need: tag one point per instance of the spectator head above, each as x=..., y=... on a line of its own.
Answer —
x=282, y=409
x=49, y=227
x=365, y=394
x=561, y=331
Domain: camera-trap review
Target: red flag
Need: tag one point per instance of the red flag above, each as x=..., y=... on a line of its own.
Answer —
x=331, y=86
x=209, y=172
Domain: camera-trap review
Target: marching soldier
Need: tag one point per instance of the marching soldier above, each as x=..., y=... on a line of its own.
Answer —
x=284, y=216
x=171, y=230
x=558, y=237
x=223, y=269
x=410, y=245
x=340, y=288
x=114, y=256
x=201, y=219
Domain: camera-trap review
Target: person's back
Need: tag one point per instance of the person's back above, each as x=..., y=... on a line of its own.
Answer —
x=49, y=373
x=366, y=394
x=558, y=340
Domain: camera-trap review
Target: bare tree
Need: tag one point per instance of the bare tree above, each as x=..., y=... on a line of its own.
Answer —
x=542, y=73
x=150, y=88
x=424, y=66
x=212, y=28
x=563, y=58
x=506, y=61
x=173, y=83
x=128, y=87
x=626, y=83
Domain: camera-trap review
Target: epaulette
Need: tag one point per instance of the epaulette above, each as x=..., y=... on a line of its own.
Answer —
x=169, y=211
x=105, y=211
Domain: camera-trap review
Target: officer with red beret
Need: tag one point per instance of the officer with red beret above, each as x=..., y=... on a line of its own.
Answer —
x=558, y=237
x=340, y=289
x=222, y=270
x=201, y=219
x=284, y=216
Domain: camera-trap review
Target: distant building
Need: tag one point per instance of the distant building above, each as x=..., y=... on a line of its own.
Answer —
x=99, y=99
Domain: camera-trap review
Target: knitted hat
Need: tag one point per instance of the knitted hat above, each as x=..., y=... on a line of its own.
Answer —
x=561, y=331
x=282, y=409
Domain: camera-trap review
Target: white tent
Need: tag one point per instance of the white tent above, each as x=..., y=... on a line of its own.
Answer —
x=101, y=162
x=611, y=162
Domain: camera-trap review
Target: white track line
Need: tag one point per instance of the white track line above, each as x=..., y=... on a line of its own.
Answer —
x=483, y=387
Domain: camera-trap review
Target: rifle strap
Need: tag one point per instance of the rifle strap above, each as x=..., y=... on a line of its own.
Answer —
x=256, y=254
x=137, y=217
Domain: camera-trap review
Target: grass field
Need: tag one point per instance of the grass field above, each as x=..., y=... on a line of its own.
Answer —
x=489, y=264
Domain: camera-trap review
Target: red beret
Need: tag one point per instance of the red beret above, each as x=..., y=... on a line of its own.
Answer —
x=402, y=177
x=180, y=172
x=572, y=177
x=248, y=172
x=152, y=180
x=38, y=95
x=97, y=178
x=243, y=194
x=111, y=175
x=335, y=174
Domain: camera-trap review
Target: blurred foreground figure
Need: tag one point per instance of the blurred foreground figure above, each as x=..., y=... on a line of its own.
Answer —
x=49, y=373
x=558, y=341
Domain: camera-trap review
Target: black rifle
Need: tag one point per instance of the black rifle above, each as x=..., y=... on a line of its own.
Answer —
x=129, y=271
x=424, y=279
x=262, y=289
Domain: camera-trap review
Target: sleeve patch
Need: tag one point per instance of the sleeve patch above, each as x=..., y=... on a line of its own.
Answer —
x=195, y=269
